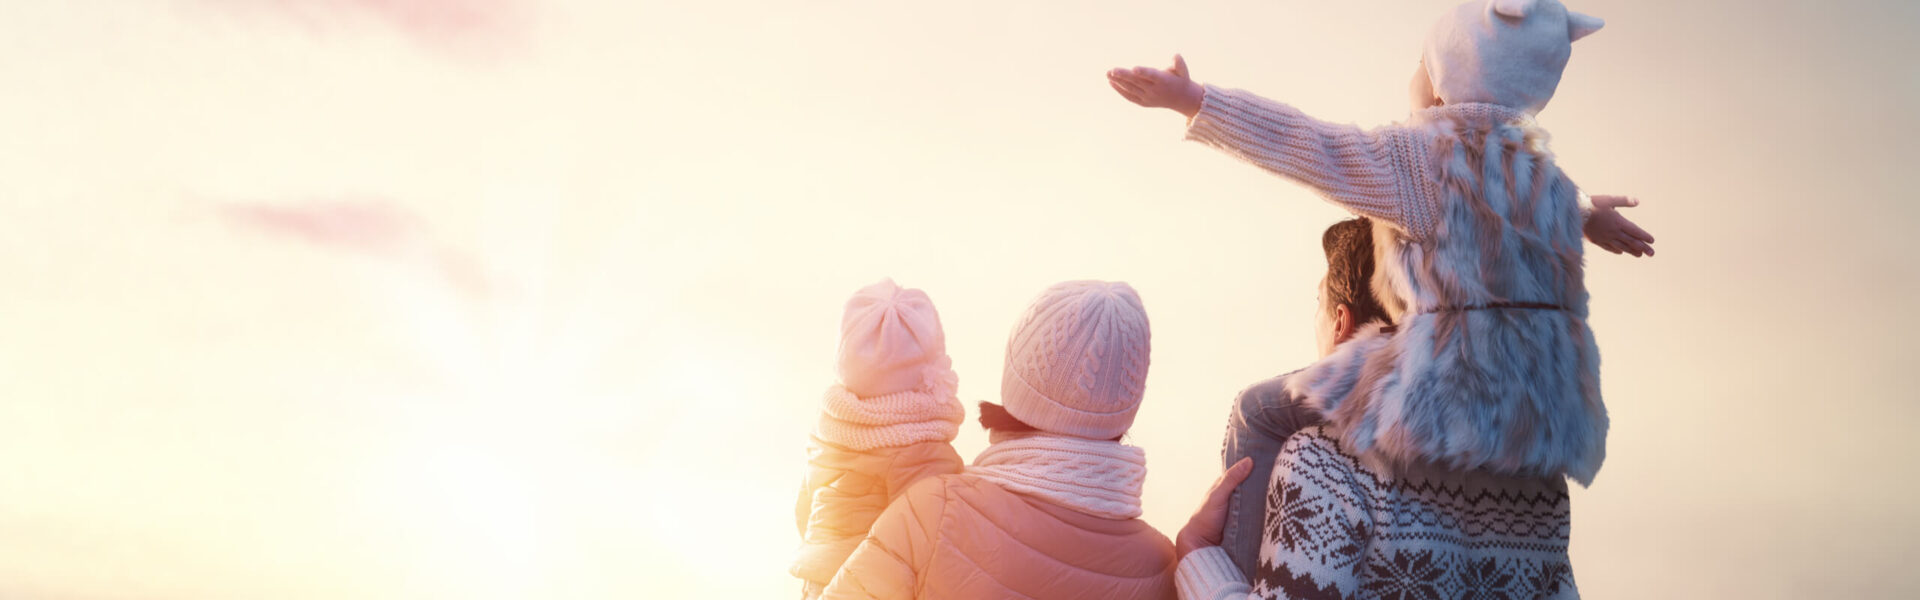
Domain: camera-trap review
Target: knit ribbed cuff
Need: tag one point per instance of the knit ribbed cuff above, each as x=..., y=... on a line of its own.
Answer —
x=1033, y=407
x=1213, y=124
x=1231, y=119
x=1209, y=574
x=1357, y=170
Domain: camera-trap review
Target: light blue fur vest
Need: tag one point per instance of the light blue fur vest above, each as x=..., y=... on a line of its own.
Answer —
x=1492, y=365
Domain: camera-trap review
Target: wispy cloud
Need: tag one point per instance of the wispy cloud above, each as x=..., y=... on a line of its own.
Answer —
x=456, y=25
x=369, y=226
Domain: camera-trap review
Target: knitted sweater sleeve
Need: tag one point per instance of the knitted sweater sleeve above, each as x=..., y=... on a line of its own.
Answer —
x=1376, y=173
x=1209, y=574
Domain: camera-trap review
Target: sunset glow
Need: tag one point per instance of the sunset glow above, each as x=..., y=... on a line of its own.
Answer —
x=537, y=299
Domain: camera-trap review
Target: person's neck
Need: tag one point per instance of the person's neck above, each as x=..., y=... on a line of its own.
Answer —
x=995, y=436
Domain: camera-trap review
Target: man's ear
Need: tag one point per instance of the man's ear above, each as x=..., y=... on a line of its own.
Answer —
x=1342, y=323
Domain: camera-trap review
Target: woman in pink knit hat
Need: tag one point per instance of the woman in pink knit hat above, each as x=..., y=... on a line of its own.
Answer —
x=1051, y=509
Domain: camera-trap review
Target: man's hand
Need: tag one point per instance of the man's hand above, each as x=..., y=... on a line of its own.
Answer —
x=1612, y=232
x=1157, y=88
x=1208, y=523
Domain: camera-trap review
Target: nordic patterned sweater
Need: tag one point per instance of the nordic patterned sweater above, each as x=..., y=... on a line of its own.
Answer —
x=1347, y=526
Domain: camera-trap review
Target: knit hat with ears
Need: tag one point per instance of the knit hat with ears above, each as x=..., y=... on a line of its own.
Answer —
x=1505, y=52
x=890, y=341
x=1077, y=360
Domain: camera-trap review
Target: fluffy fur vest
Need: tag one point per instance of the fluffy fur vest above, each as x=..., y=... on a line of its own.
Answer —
x=1492, y=365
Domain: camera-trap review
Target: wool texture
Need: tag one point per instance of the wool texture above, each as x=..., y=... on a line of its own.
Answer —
x=892, y=420
x=1506, y=52
x=1378, y=174
x=1343, y=525
x=1479, y=375
x=1077, y=360
x=864, y=452
x=1100, y=478
x=890, y=340
x=1473, y=219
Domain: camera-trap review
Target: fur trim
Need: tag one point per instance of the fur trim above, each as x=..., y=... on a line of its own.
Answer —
x=1513, y=390
x=1324, y=384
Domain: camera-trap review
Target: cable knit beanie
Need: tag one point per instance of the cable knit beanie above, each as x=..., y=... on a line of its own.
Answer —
x=1077, y=360
x=889, y=339
x=1505, y=52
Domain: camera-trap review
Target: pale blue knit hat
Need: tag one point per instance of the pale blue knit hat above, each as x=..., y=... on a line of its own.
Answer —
x=1505, y=52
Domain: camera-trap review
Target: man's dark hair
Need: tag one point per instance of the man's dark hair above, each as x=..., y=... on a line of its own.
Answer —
x=1349, y=247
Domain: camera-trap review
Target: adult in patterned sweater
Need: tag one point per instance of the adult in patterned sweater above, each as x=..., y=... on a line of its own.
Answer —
x=1265, y=415
x=1330, y=505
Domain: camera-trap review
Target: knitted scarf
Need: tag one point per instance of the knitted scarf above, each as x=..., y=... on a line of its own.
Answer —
x=931, y=413
x=1100, y=478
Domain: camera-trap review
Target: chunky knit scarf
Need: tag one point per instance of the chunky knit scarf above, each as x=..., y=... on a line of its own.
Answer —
x=931, y=413
x=1100, y=478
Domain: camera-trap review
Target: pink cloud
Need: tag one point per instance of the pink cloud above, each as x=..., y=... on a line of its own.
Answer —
x=366, y=226
x=369, y=226
x=487, y=25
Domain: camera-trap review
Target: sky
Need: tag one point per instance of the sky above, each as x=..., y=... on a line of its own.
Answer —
x=518, y=299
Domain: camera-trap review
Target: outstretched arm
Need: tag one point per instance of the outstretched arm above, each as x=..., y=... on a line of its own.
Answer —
x=1358, y=170
x=1612, y=231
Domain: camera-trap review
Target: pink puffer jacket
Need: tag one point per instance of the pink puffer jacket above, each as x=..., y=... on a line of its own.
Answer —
x=961, y=536
x=846, y=490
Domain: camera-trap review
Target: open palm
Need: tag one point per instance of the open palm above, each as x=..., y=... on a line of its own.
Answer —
x=1159, y=88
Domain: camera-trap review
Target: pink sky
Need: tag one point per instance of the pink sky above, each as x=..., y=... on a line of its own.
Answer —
x=442, y=24
x=304, y=303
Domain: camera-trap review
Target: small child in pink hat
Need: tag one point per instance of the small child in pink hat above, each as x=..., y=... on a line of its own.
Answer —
x=890, y=422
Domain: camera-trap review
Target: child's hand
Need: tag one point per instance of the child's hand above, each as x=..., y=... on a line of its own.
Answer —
x=1612, y=232
x=1155, y=88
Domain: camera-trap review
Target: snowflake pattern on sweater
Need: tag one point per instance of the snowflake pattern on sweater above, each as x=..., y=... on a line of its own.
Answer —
x=1345, y=527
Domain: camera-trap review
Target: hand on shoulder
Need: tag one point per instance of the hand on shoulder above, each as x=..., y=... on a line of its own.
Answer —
x=1210, y=521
